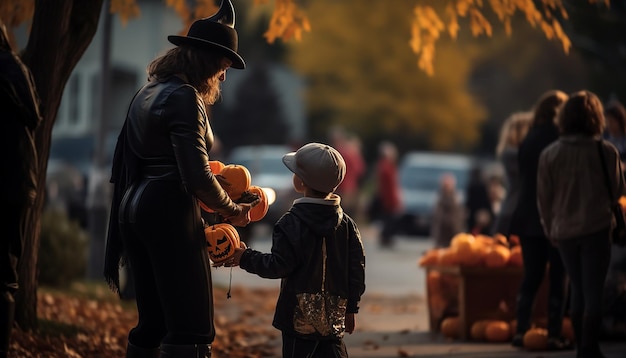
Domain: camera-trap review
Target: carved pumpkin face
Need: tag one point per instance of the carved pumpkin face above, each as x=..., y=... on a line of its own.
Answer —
x=258, y=211
x=222, y=240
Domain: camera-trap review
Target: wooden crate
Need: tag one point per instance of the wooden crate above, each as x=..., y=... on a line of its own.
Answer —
x=476, y=293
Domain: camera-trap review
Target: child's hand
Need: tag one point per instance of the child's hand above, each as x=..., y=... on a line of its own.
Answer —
x=236, y=258
x=350, y=323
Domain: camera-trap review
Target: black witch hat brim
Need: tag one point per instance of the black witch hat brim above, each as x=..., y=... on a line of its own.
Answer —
x=216, y=32
x=238, y=61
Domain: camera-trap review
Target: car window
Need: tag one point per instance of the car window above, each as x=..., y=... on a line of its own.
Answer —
x=263, y=165
x=261, y=159
x=428, y=178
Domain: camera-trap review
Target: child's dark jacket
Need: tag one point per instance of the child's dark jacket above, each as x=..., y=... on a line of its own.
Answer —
x=298, y=257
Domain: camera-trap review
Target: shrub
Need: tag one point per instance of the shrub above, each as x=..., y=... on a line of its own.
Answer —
x=63, y=250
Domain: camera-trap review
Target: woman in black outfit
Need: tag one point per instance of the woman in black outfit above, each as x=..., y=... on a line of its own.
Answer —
x=160, y=171
x=537, y=250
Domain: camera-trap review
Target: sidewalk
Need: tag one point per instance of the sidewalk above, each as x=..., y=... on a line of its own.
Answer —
x=426, y=344
x=393, y=316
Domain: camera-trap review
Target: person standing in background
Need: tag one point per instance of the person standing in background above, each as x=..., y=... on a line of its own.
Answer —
x=537, y=250
x=349, y=145
x=615, y=128
x=388, y=191
x=478, y=204
x=512, y=133
x=449, y=213
x=576, y=210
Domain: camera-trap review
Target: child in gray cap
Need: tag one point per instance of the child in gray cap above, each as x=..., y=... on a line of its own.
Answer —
x=318, y=254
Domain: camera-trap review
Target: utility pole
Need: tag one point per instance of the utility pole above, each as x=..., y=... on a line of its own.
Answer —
x=98, y=195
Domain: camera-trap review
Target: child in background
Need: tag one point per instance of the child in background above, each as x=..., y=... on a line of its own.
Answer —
x=318, y=253
x=449, y=215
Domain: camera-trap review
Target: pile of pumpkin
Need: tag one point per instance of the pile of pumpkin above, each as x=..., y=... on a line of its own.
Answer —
x=479, y=251
x=222, y=238
x=499, y=331
x=476, y=251
x=466, y=250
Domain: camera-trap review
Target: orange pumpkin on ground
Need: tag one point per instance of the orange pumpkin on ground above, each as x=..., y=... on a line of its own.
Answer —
x=477, y=330
x=536, y=339
x=238, y=178
x=497, y=331
x=450, y=327
x=497, y=257
x=500, y=239
x=467, y=249
x=447, y=257
x=222, y=240
x=429, y=258
x=258, y=211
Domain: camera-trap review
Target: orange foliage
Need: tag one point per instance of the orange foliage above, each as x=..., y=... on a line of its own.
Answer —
x=289, y=21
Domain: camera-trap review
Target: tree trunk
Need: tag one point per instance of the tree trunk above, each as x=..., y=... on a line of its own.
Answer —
x=61, y=32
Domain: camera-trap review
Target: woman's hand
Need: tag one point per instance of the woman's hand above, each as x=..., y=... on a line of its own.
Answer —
x=243, y=218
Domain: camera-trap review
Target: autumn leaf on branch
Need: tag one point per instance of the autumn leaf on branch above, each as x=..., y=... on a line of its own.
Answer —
x=428, y=23
x=287, y=22
x=127, y=10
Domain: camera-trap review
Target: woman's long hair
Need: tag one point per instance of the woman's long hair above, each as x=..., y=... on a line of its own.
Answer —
x=547, y=107
x=616, y=110
x=582, y=114
x=200, y=68
x=513, y=131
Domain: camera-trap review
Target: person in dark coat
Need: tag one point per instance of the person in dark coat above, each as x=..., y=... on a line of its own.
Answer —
x=160, y=173
x=512, y=134
x=477, y=203
x=18, y=180
x=537, y=250
x=449, y=214
x=318, y=253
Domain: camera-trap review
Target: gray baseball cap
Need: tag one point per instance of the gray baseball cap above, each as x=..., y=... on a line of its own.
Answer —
x=320, y=166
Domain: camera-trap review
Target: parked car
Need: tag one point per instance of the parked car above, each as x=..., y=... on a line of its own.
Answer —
x=420, y=174
x=265, y=163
